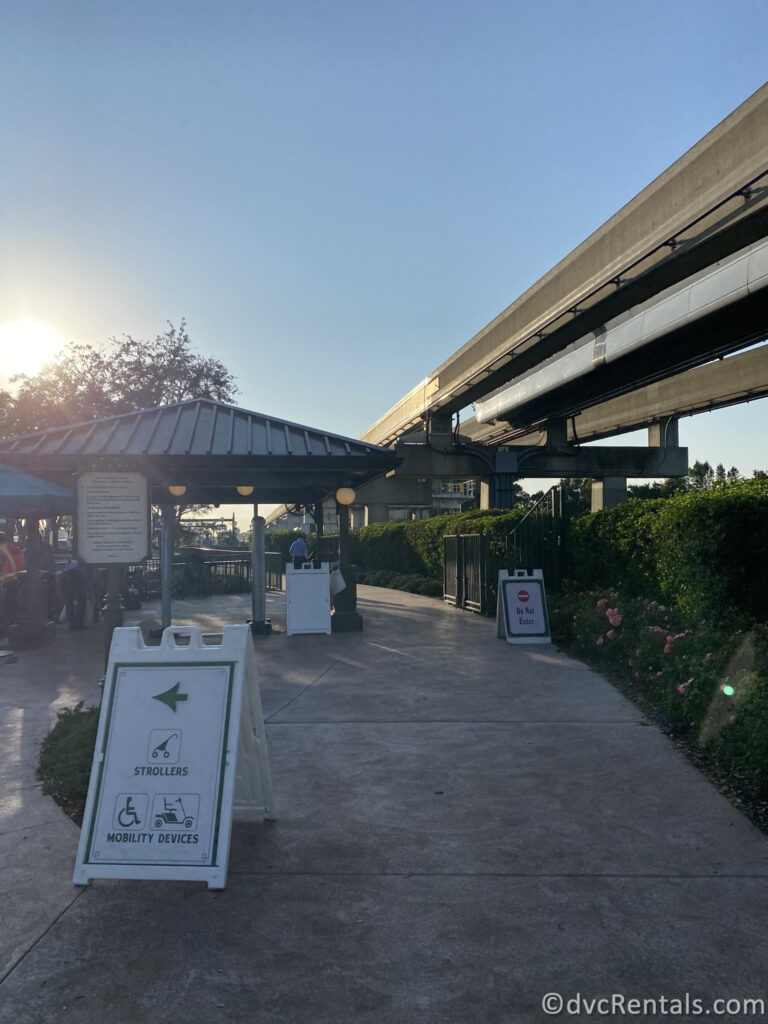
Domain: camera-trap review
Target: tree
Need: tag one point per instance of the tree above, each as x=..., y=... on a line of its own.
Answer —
x=85, y=382
x=657, y=489
x=700, y=476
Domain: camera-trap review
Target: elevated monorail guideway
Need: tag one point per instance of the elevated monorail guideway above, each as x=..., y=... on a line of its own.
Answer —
x=675, y=243
x=706, y=315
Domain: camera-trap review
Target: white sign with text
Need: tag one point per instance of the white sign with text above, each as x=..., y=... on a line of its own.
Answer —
x=521, y=607
x=167, y=768
x=112, y=518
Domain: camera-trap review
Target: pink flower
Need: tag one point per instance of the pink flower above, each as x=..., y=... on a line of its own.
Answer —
x=602, y=602
x=659, y=674
x=614, y=617
x=667, y=648
x=600, y=641
x=611, y=633
x=683, y=687
x=731, y=719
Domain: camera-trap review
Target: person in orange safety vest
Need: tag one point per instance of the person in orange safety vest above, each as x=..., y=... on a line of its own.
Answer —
x=11, y=564
x=11, y=560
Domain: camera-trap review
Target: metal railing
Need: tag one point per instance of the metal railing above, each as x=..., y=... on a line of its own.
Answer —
x=195, y=578
x=471, y=562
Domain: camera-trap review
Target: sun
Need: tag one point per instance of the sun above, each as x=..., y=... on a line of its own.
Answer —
x=25, y=347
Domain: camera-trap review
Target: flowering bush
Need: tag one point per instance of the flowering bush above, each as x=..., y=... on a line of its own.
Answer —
x=707, y=682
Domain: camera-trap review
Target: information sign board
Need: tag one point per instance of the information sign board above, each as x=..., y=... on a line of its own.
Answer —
x=112, y=518
x=166, y=769
x=521, y=607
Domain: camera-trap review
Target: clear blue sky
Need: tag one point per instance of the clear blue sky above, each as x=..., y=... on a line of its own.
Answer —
x=337, y=195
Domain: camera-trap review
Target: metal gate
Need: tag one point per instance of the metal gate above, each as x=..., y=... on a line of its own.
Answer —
x=538, y=541
x=471, y=562
x=465, y=571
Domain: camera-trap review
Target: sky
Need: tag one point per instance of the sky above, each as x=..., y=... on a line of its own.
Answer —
x=338, y=194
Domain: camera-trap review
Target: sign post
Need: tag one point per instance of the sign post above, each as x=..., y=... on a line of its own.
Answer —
x=180, y=745
x=521, y=607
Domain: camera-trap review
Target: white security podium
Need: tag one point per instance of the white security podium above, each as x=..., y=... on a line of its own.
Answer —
x=307, y=599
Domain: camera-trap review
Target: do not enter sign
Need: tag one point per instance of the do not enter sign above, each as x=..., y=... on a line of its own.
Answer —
x=521, y=613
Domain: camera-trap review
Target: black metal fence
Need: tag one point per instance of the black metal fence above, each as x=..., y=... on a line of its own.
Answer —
x=471, y=562
x=196, y=578
x=468, y=569
x=538, y=541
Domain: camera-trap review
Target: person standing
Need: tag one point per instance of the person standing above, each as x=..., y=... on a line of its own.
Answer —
x=11, y=564
x=74, y=585
x=299, y=552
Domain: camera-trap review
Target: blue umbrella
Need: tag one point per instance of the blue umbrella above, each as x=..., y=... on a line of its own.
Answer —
x=24, y=495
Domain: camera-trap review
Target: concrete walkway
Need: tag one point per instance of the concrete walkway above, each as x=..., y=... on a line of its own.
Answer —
x=463, y=827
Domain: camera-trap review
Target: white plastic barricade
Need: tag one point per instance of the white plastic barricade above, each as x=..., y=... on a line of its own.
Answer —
x=180, y=745
x=307, y=598
x=521, y=607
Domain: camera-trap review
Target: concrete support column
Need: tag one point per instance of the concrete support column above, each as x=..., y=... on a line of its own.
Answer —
x=557, y=432
x=608, y=492
x=664, y=435
x=486, y=494
x=496, y=491
x=378, y=513
x=260, y=624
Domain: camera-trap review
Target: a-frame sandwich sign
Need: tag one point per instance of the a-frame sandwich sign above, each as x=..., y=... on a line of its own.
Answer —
x=180, y=746
x=521, y=607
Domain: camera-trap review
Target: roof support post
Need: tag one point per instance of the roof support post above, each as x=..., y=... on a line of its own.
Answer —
x=260, y=624
x=166, y=557
x=346, y=618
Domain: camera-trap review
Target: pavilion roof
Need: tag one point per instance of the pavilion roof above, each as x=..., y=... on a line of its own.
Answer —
x=208, y=446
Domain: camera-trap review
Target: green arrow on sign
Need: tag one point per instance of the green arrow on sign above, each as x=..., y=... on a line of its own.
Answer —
x=171, y=697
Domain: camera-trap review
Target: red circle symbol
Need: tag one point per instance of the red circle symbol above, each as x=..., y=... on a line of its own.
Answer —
x=523, y=595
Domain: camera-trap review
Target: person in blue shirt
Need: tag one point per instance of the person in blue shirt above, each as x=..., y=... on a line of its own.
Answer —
x=299, y=552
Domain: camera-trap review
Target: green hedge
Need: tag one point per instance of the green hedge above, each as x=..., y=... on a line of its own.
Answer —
x=416, y=546
x=706, y=551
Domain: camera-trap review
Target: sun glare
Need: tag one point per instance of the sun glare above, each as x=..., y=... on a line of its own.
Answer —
x=25, y=347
